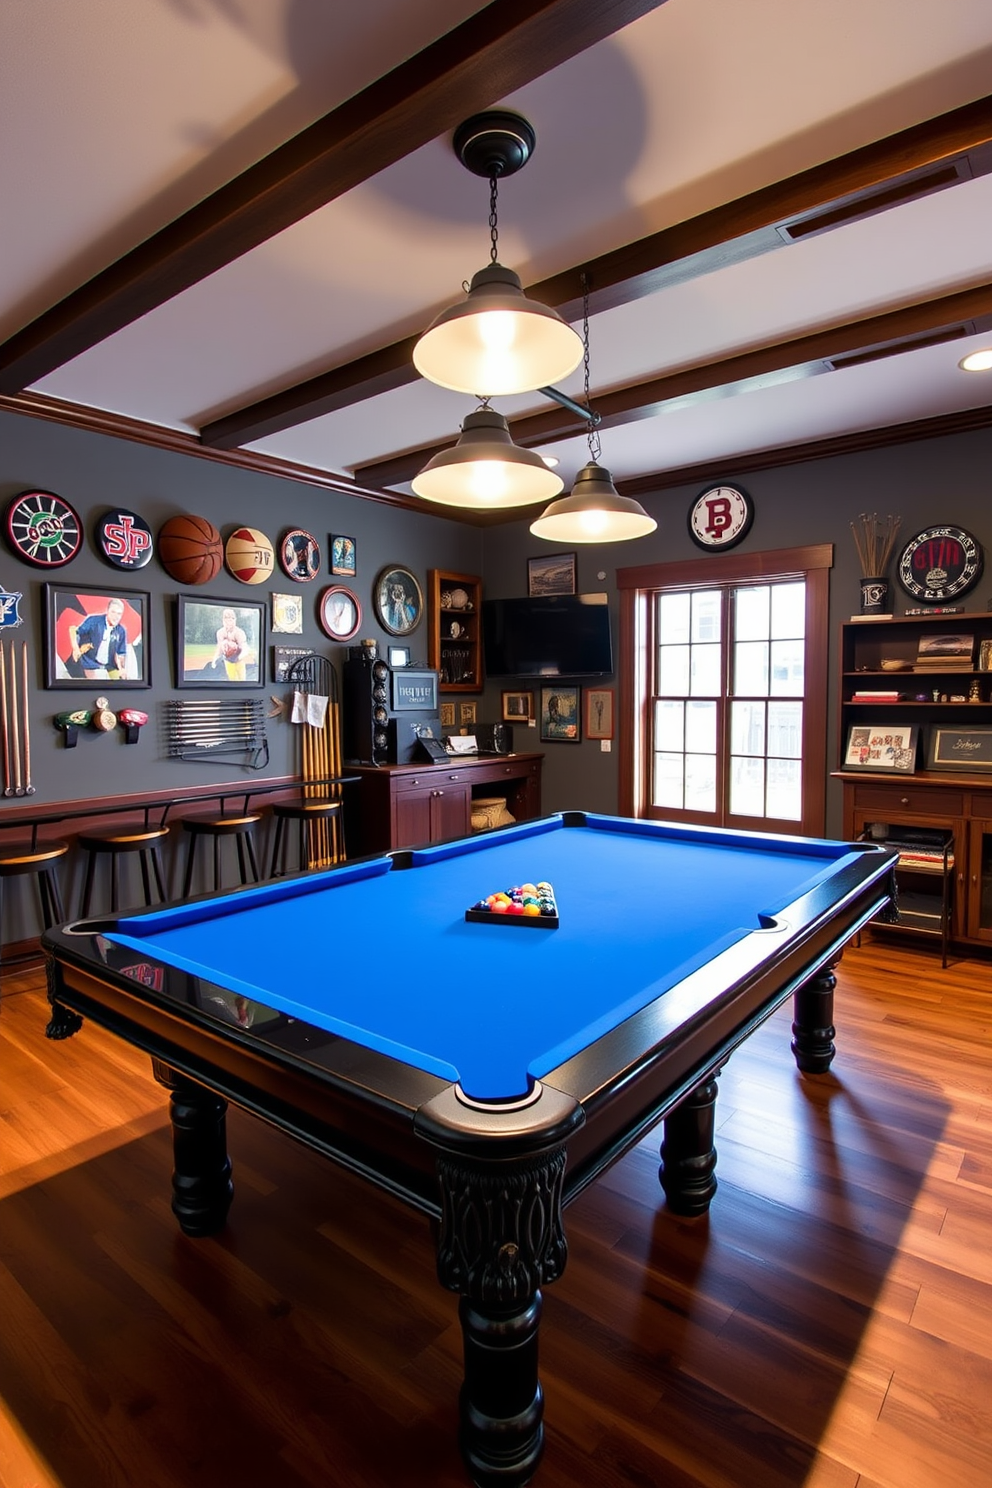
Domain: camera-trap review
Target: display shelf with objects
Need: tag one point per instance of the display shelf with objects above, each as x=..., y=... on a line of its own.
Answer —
x=925, y=878
x=923, y=681
x=454, y=636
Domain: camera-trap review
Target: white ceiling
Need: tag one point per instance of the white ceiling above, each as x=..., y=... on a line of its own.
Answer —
x=118, y=116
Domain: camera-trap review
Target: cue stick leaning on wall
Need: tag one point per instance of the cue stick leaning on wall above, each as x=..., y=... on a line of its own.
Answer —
x=5, y=720
x=28, y=787
x=15, y=725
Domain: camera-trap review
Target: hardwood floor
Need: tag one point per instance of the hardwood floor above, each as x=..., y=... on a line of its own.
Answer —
x=829, y=1324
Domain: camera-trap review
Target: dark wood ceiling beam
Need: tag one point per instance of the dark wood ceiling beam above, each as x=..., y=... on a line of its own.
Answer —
x=642, y=400
x=491, y=54
x=732, y=233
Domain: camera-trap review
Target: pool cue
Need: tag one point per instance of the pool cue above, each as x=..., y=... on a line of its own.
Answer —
x=15, y=725
x=8, y=789
x=28, y=787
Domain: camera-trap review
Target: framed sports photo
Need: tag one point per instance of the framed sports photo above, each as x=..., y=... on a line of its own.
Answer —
x=219, y=642
x=96, y=638
x=889, y=746
x=560, y=718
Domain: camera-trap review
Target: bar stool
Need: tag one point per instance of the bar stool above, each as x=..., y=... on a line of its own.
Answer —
x=216, y=828
x=17, y=858
x=307, y=815
x=117, y=843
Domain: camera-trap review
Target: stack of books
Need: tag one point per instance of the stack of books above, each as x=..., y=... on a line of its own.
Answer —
x=864, y=695
x=945, y=653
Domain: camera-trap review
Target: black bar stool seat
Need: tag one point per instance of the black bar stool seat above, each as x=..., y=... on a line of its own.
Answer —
x=119, y=842
x=216, y=828
x=305, y=814
x=17, y=858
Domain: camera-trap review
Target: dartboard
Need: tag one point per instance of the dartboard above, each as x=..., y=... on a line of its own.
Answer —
x=43, y=529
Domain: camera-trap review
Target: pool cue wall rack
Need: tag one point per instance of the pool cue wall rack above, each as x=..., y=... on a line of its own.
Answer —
x=320, y=757
x=206, y=728
x=15, y=719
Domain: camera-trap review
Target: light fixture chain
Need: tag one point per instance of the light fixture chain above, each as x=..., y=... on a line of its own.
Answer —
x=592, y=438
x=493, y=224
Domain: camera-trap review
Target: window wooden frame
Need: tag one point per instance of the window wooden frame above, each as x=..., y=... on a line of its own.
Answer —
x=638, y=587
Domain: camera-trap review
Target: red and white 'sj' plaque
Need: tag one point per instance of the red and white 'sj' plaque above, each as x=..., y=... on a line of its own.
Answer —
x=720, y=517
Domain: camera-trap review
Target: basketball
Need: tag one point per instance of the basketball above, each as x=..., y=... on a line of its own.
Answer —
x=248, y=555
x=190, y=549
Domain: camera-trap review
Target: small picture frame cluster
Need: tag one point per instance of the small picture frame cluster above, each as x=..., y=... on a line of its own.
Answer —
x=889, y=746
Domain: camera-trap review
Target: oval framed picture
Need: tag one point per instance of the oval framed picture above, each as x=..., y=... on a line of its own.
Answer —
x=398, y=600
x=339, y=613
x=299, y=554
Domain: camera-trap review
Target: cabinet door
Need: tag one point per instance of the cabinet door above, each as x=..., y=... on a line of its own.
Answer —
x=450, y=813
x=978, y=899
x=412, y=818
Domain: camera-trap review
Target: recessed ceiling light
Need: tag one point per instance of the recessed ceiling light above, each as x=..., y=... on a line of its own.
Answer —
x=977, y=361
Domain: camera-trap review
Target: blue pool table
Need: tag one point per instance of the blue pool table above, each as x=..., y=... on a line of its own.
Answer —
x=482, y=1072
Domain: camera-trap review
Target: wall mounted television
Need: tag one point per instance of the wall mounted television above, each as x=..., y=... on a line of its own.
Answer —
x=560, y=635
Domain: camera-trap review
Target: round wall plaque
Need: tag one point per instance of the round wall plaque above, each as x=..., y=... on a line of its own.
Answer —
x=720, y=517
x=43, y=529
x=940, y=563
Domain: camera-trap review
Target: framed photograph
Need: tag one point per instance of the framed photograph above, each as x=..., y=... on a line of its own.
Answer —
x=398, y=600
x=339, y=613
x=398, y=656
x=560, y=717
x=96, y=638
x=284, y=657
x=467, y=714
x=518, y=707
x=551, y=573
x=220, y=642
x=287, y=614
x=599, y=712
x=959, y=748
x=887, y=746
x=343, y=556
x=447, y=715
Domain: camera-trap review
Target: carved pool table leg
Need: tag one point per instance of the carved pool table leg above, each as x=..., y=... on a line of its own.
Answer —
x=813, y=1027
x=501, y=1239
x=688, y=1156
x=201, y=1181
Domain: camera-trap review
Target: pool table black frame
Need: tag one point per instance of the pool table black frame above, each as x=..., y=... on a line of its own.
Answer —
x=495, y=1177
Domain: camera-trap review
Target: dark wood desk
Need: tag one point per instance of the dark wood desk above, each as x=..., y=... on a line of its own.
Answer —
x=408, y=805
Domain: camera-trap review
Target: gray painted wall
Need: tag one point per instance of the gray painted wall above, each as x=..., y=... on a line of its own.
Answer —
x=934, y=480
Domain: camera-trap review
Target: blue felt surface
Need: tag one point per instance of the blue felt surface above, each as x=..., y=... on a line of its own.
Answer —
x=385, y=956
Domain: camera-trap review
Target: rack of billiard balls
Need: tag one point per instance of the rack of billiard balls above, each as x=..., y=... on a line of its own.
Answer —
x=524, y=904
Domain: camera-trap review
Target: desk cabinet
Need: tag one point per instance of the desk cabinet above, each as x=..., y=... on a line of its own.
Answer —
x=409, y=805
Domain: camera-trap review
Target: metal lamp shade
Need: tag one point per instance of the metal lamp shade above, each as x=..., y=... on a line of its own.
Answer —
x=497, y=341
x=594, y=512
x=485, y=470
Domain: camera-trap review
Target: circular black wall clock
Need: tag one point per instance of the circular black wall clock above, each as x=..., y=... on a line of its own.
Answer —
x=43, y=529
x=940, y=563
x=720, y=517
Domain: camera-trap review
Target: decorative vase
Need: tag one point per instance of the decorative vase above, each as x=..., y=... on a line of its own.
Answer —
x=874, y=596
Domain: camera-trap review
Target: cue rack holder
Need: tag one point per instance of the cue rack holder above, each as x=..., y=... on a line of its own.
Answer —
x=203, y=729
x=320, y=757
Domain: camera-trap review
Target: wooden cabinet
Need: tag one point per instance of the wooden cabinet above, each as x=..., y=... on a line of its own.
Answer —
x=920, y=811
x=455, y=630
x=397, y=806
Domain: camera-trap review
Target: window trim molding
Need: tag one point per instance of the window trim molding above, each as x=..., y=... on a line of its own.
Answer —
x=636, y=585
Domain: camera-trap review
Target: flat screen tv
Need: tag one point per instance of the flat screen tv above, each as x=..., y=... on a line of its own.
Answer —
x=561, y=635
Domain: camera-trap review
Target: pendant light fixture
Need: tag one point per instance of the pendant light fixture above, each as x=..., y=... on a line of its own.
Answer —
x=594, y=511
x=485, y=470
x=497, y=341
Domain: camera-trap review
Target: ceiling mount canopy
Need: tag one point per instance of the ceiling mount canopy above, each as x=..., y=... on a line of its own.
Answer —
x=496, y=341
x=485, y=470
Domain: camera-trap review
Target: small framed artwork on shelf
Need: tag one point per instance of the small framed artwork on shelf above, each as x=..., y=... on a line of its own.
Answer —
x=551, y=573
x=560, y=717
x=889, y=747
x=959, y=749
x=599, y=712
x=518, y=707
